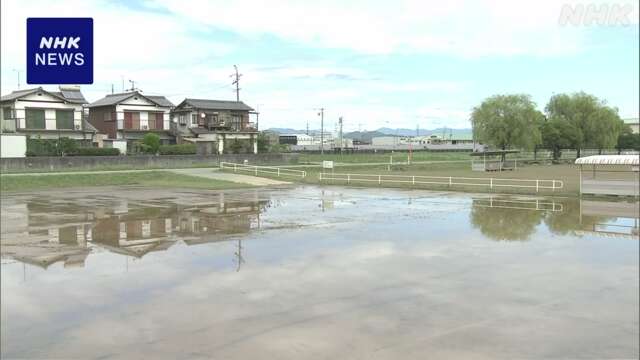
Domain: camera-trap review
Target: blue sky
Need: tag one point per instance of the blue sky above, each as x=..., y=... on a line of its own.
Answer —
x=376, y=63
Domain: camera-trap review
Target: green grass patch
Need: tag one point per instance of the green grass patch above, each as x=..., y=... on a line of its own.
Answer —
x=149, y=178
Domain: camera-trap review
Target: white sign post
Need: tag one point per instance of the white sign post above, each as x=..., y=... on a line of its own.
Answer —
x=327, y=165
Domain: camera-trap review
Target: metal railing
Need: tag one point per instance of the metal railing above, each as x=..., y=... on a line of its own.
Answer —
x=450, y=181
x=257, y=170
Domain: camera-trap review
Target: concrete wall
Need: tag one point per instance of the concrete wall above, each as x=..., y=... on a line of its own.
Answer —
x=13, y=146
x=52, y=163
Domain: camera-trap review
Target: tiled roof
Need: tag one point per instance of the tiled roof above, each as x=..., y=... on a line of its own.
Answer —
x=113, y=99
x=218, y=104
x=71, y=96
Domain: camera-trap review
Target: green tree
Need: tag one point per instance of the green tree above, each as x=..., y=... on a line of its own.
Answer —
x=263, y=143
x=151, y=143
x=235, y=146
x=593, y=122
x=507, y=121
x=627, y=140
x=557, y=135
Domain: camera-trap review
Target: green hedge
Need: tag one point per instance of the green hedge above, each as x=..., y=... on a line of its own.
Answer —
x=90, y=151
x=182, y=149
x=51, y=147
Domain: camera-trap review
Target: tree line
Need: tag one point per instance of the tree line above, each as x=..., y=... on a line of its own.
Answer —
x=570, y=121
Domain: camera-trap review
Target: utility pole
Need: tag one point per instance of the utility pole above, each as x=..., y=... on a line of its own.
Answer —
x=236, y=82
x=133, y=85
x=307, y=127
x=341, y=142
x=321, y=113
x=111, y=88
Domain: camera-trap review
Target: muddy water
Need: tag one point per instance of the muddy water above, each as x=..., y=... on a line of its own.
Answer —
x=318, y=273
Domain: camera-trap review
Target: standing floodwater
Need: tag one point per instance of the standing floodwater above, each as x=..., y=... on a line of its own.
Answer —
x=317, y=273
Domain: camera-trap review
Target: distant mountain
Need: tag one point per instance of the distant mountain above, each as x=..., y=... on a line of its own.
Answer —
x=286, y=131
x=365, y=136
x=423, y=132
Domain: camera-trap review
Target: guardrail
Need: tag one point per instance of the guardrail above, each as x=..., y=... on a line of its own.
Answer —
x=257, y=170
x=450, y=181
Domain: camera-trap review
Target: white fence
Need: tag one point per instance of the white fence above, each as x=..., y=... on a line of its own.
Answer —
x=257, y=170
x=450, y=181
x=519, y=204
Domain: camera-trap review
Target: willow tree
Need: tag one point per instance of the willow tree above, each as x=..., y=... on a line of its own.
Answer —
x=593, y=122
x=507, y=122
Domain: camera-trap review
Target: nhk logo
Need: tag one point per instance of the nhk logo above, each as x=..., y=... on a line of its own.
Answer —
x=59, y=51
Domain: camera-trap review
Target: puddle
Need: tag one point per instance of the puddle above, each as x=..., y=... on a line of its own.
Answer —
x=314, y=272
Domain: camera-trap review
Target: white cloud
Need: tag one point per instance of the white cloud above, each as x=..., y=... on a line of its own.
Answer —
x=467, y=28
x=152, y=48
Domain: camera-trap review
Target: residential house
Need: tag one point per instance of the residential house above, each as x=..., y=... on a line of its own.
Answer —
x=130, y=115
x=216, y=126
x=46, y=114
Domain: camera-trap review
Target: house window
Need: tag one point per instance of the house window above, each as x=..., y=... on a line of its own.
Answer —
x=236, y=122
x=182, y=119
x=156, y=120
x=194, y=119
x=64, y=119
x=132, y=120
x=110, y=116
x=212, y=120
x=34, y=118
x=6, y=113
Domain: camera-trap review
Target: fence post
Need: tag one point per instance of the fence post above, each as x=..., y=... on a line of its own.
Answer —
x=413, y=180
x=348, y=178
x=320, y=177
x=491, y=183
x=256, y=170
x=235, y=167
x=450, y=182
x=537, y=185
x=279, y=172
x=379, y=179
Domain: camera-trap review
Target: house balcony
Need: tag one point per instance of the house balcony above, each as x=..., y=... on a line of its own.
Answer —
x=9, y=125
x=227, y=127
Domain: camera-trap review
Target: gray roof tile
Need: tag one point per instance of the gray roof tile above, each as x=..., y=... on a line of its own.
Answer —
x=67, y=95
x=218, y=104
x=113, y=99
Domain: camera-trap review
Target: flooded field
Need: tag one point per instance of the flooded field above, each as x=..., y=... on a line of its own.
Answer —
x=318, y=273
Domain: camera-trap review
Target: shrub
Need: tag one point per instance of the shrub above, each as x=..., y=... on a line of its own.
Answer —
x=151, y=143
x=51, y=147
x=91, y=151
x=182, y=149
x=235, y=146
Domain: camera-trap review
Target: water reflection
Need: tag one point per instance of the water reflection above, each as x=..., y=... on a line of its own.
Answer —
x=516, y=220
x=43, y=233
